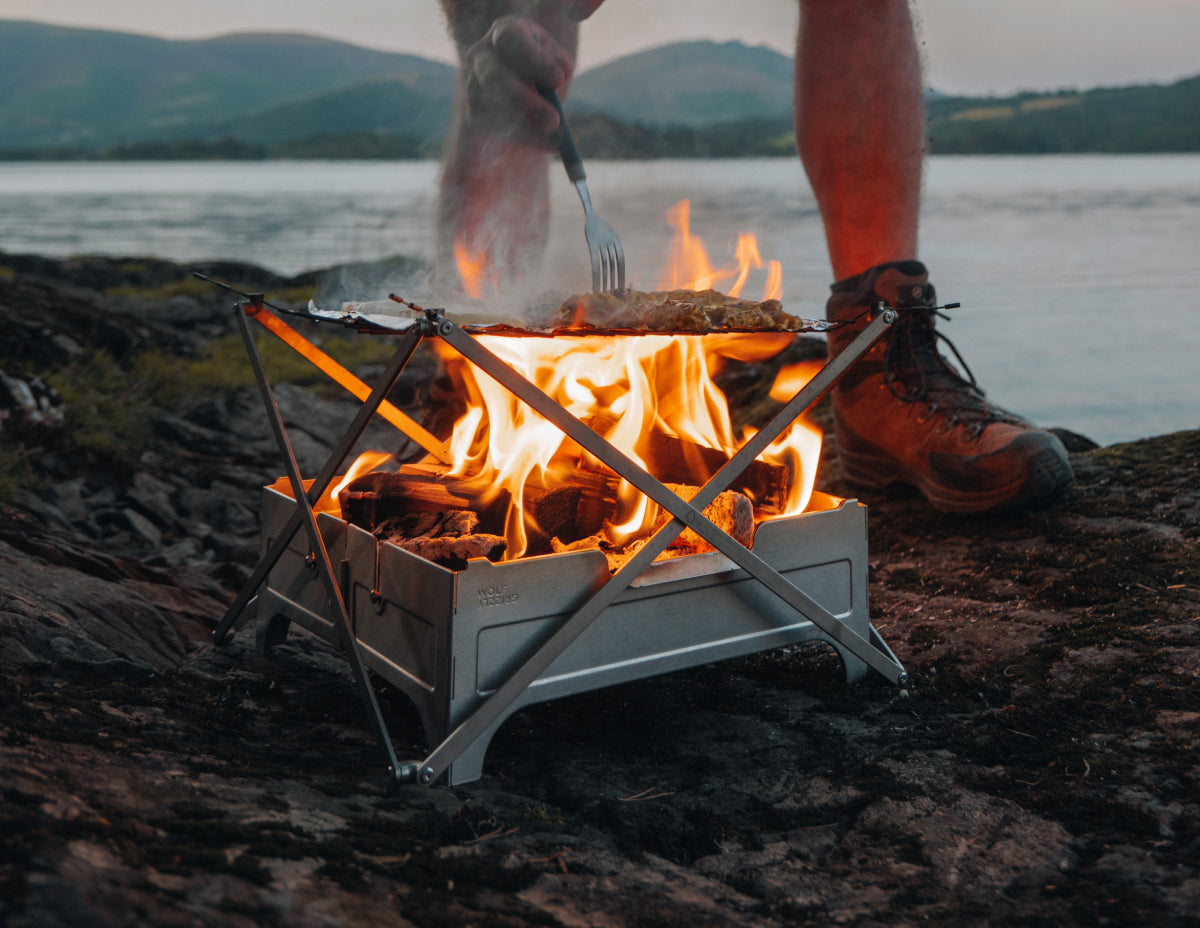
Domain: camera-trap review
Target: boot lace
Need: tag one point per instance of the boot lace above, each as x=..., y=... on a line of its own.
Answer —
x=915, y=371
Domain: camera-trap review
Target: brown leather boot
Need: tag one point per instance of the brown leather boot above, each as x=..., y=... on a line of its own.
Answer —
x=903, y=414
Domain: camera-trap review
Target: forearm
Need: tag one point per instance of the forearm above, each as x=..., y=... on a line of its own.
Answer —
x=494, y=201
x=493, y=204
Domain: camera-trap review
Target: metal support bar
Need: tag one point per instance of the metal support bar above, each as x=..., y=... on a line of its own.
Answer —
x=494, y=706
x=400, y=358
x=325, y=566
x=348, y=381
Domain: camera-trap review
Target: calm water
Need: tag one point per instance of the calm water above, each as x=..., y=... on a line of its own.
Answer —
x=1079, y=276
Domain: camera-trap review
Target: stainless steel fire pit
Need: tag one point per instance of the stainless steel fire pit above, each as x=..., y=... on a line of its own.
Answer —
x=470, y=647
x=448, y=639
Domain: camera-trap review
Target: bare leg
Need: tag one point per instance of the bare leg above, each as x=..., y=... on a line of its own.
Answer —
x=860, y=125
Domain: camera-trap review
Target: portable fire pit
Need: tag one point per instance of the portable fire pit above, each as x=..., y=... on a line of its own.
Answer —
x=473, y=645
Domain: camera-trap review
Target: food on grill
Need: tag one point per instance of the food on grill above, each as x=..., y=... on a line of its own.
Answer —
x=625, y=312
x=688, y=311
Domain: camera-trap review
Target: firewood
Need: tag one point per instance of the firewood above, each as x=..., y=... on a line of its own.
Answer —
x=452, y=552
x=556, y=512
x=732, y=512
x=593, y=494
x=677, y=460
x=449, y=538
x=373, y=498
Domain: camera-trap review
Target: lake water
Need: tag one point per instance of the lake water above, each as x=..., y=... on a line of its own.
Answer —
x=1079, y=275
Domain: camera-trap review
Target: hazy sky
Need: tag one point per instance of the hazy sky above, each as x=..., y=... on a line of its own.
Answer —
x=970, y=46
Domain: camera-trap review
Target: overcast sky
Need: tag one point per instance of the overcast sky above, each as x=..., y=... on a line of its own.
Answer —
x=970, y=46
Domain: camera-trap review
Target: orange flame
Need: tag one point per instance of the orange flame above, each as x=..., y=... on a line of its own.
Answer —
x=474, y=270
x=689, y=267
x=364, y=463
x=627, y=389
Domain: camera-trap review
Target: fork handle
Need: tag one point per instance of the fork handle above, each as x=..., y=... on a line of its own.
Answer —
x=571, y=158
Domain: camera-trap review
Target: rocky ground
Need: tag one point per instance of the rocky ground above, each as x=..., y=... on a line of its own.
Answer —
x=1041, y=768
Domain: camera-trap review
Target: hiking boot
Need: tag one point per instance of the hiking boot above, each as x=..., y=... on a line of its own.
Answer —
x=903, y=414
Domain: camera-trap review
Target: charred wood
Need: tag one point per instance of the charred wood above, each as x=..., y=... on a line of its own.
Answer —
x=449, y=538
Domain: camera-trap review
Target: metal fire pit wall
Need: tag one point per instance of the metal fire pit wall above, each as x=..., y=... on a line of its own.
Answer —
x=448, y=638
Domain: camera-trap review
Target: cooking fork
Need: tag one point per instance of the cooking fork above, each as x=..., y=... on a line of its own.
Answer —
x=608, y=257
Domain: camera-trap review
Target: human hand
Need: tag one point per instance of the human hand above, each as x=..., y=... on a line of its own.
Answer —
x=519, y=52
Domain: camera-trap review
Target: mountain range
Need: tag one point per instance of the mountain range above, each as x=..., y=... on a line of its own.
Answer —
x=67, y=92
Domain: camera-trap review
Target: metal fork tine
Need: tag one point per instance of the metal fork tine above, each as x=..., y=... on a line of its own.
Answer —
x=597, y=268
x=604, y=248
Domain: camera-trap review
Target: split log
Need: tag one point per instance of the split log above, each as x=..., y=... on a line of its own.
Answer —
x=374, y=498
x=577, y=508
x=677, y=460
x=449, y=539
x=732, y=512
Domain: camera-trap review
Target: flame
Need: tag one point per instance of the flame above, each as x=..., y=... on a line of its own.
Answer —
x=364, y=463
x=475, y=270
x=625, y=389
x=689, y=267
x=791, y=378
x=773, y=289
x=632, y=391
x=628, y=390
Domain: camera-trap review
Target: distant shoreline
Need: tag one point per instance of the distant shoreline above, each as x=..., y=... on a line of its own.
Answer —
x=1123, y=120
x=9, y=159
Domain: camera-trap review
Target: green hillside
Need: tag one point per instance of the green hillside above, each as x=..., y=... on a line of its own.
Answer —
x=690, y=84
x=89, y=88
x=81, y=93
x=1145, y=118
x=379, y=107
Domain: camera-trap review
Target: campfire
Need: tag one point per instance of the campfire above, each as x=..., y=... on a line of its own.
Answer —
x=537, y=550
x=516, y=486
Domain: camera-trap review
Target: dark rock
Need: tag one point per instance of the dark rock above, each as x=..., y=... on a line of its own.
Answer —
x=50, y=516
x=1041, y=767
x=28, y=406
x=143, y=527
x=152, y=498
x=1074, y=442
x=68, y=496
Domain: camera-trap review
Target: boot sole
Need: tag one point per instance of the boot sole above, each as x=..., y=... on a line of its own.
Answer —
x=1046, y=477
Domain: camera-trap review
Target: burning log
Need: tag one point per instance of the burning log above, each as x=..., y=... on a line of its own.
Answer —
x=578, y=508
x=450, y=519
x=677, y=460
x=376, y=497
x=449, y=538
x=732, y=512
